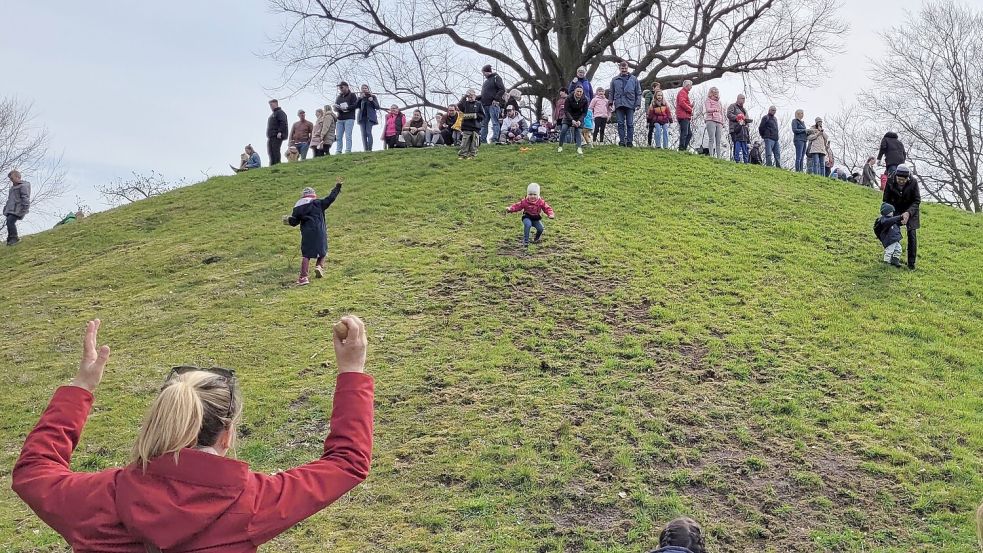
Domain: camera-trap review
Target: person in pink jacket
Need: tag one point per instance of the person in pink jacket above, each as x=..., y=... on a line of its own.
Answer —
x=714, y=120
x=684, y=114
x=602, y=112
x=532, y=207
x=181, y=492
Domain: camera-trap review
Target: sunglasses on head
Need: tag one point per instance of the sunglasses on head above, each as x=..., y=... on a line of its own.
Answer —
x=228, y=374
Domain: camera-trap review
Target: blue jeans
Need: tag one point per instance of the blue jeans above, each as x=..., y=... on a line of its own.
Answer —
x=344, y=134
x=800, y=155
x=578, y=137
x=626, y=125
x=491, y=116
x=685, y=135
x=528, y=223
x=366, y=136
x=662, y=135
x=773, y=150
x=302, y=148
x=741, y=152
x=817, y=164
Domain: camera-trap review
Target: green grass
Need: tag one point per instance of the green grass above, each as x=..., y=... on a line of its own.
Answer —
x=693, y=337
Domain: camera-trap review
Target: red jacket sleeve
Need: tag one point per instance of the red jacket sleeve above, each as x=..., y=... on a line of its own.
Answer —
x=518, y=206
x=289, y=497
x=547, y=208
x=42, y=478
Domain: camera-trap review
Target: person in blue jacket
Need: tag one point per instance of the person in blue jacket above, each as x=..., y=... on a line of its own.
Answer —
x=249, y=160
x=800, y=140
x=309, y=214
x=367, y=117
x=581, y=81
x=889, y=233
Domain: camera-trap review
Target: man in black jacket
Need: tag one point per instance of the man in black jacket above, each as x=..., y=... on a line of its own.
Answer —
x=471, y=113
x=345, y=104
x=492, y=100
x=276, y=132
x=893, y=152
x=902, y=192
x=768, y=129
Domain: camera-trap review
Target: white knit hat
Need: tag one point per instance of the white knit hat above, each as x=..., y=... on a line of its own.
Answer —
x=533, y=188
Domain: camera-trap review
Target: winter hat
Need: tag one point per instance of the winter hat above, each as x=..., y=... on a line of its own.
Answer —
x=486, y=69
x=533, y=188
x=902, y=171
x=308, y=191
x=886, y=209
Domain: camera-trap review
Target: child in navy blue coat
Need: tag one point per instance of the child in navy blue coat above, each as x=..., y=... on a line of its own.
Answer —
x=309, y=214
x=889, y=233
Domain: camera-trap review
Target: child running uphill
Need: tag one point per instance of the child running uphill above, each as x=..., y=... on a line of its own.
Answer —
x=309, y=214
x=532, y=208
x=889, y=233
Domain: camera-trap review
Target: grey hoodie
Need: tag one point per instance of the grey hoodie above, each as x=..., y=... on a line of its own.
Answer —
x=18, y=200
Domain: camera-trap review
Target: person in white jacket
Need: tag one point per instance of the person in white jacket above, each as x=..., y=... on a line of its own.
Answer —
x=514, y=127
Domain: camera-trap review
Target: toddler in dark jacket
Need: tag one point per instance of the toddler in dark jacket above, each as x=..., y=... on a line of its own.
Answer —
x=888, y=231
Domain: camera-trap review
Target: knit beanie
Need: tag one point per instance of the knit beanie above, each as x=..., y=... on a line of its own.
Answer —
x=886, y=209
x=533, y=188
x=308, y=191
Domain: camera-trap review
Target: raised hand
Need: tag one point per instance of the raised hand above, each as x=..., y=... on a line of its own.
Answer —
x=93, y=360
x=350, y=343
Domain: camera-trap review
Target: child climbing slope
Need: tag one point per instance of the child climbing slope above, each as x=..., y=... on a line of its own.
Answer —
x=532, y=208
x=309, y=214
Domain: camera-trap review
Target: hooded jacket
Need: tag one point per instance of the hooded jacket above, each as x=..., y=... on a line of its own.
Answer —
x=367, y=108
x=892, y=150
x=309, y=214
x=625, y=92
x=201, y=501
x=472, y=113
x=818, y=141
x=277, y=123
x=532, y=209
x=18, y=200
x=492, y=90
x=887, y=230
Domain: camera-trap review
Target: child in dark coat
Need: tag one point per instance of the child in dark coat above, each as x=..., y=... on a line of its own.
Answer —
x=309, y=214
x=889, y=233
x=532, y=208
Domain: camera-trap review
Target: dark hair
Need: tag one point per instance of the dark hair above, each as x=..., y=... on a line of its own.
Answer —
x=486, y=69
x=683, y=532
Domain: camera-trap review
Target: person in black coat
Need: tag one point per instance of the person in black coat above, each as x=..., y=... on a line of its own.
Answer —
x=889, y=233
x=575, y=110
x=682, y=535
x=902, y=193
x=892, y=151
x=276, y=132
x=471, y=114
x=309, y=214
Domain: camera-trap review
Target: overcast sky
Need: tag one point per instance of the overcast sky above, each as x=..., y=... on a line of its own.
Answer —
x=178, y=87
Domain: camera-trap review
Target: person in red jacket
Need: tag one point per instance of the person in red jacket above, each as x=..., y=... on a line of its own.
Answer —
x=684, y=114
x=532, y=207
x=181, y=493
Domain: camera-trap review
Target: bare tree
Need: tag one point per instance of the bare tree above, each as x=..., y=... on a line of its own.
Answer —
x=538, y=44
x=140, y=187
x=853, y=137
x=928, y=86
x=26, y=147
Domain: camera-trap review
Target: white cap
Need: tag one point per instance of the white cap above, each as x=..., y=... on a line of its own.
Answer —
x=533, y=188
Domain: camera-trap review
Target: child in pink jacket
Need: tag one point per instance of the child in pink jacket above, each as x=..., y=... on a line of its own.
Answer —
x=532, y=208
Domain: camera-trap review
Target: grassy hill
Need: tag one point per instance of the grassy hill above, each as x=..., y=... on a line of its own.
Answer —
x=693, y=337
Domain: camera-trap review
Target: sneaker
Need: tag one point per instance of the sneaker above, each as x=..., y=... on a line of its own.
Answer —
x=559, y=150
x=895, y=261
x=319, y=271
x=303, y=281
x=580, y=151
x=461, y=157
x=537, y=239
x=13, y=241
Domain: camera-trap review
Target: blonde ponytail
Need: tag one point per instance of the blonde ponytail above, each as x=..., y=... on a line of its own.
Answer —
x=191, y=410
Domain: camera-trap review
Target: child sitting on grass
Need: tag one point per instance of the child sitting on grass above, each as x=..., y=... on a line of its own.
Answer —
x=889, y=233
x=293, y=154
x=532, y=208
x=309, y=214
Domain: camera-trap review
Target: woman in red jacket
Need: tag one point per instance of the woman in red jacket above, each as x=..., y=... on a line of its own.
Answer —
x=181, y=493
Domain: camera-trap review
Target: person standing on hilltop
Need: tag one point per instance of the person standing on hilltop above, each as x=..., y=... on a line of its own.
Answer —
x=602, y=111
x=492, y=101
x=626, y=97
x=345, y=104
x=308, y=212
x=276, y=132
x=301, y=133
x=714, y=121
x=768, y=129
x=740, y=135
x=17, y=206
x=180, y=492
x=368, y=117
x=818, y=148
x=902, y=192
x=471, y=113
x=573, y=123
x=800, y=139
x=892, y=152
x=684, y=114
